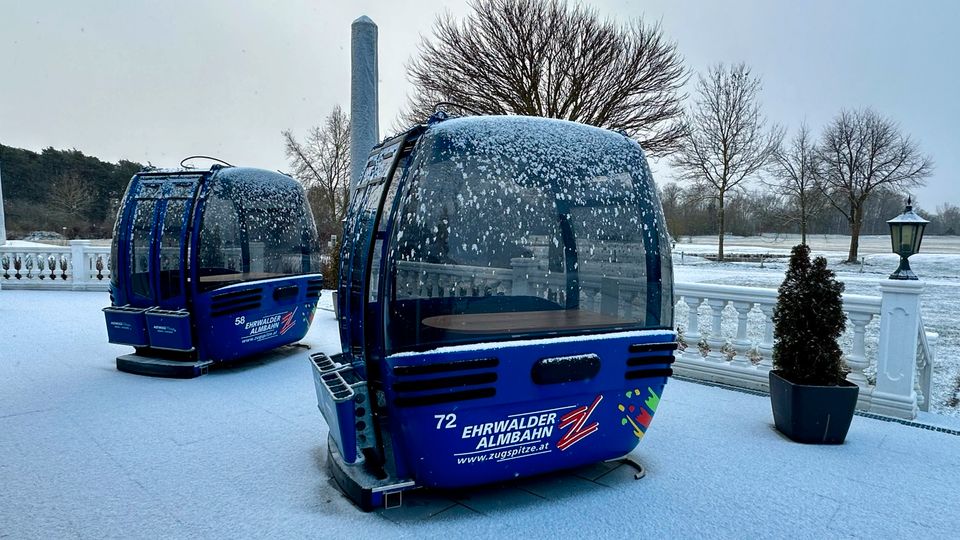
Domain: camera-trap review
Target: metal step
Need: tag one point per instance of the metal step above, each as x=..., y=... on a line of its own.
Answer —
x=160, y=367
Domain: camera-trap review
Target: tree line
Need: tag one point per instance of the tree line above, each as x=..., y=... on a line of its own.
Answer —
x=859, y=155
x=63, y=191
x=752, y=212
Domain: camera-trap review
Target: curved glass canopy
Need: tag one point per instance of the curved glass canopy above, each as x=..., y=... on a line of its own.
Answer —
x=255, y=225
x=510, y=227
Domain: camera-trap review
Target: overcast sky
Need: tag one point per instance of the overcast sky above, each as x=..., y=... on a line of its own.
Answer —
x=159, y=80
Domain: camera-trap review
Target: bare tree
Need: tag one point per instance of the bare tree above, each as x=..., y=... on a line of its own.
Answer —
x=728, y=141
x=670, y=200
x=949, y=215
x=861, y=153
x=322, y=164
x=543, y=58
x=71, y=195
x=794, y=168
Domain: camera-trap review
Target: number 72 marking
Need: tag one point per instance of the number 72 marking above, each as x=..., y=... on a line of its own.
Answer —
x=450, y=419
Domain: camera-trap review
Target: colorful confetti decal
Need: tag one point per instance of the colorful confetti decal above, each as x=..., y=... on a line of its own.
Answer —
x=639, y=416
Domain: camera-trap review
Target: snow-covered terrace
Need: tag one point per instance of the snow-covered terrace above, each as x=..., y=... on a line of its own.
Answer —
x=90, y=452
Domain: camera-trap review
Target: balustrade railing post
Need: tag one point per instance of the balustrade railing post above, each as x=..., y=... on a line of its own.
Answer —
x=715, y=339
x=691, y=334
x=926, y=355
x=741, y=345
x=79, y=263
x=894, y=394
x=435, y=285
x=257, y=256
x=765, y=348
x=857, y=359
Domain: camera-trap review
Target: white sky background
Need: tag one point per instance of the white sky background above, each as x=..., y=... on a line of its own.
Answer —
x=159, y=80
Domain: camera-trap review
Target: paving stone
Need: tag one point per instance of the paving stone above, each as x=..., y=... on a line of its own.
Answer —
x=559, y=486
x=418, y=506
x=486, y=501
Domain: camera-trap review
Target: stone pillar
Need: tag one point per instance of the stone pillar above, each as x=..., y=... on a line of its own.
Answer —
x=522, y=268
x=364, y=103
x=765, y=348
x=715, y=339
x=857, y=359
x=691, y=334
x=894, y=394
x=78, y=260
x=257, y=254
x=741, y=344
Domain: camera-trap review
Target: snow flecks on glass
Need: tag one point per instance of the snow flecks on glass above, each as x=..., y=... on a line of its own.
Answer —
x=256, y=224
x=554, y=207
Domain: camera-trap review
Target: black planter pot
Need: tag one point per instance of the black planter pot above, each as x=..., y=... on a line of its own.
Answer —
x=812, y=414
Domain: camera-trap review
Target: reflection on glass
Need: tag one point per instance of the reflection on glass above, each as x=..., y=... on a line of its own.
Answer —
x=140, y=247
x=170, y=242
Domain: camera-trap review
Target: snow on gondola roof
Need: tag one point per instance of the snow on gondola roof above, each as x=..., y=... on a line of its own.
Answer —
x=250, y=183
x=514, y=137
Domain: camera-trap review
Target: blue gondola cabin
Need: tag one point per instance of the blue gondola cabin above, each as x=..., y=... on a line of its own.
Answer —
x=210, y=266
x=506, y=307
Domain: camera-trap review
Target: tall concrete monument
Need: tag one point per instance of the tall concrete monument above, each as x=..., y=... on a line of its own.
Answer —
x=3, y=226
x=364, y=110
x=3, y=223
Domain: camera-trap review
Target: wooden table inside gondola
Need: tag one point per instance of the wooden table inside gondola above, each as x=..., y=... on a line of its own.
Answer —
x=236, y=276
x=524, y=321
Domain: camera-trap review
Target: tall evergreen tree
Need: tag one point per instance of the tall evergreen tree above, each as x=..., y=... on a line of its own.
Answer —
x=808, y=320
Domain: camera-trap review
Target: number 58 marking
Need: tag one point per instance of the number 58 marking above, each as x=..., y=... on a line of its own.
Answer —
x=450, y=419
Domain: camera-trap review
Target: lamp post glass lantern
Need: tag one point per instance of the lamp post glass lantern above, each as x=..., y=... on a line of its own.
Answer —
x=906, y=232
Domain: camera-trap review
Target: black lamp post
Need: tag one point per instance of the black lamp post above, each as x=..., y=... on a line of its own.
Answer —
x=906, y=232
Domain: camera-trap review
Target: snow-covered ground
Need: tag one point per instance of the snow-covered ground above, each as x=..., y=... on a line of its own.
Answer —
x=937, y=264
x=90, y=452
x=869, y=244
x=27, y=243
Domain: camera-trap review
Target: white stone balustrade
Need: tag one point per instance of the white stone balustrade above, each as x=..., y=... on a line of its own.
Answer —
x=78, y=266
x=901, y=364
x=732, y=357
x=926, y=353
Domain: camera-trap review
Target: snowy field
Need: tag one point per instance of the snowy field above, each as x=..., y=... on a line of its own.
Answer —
x=937, y=264
x=838, y=243
x=90, y=452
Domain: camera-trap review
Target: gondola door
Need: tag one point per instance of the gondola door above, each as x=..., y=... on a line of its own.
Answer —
x=362, y=246
x=155, y=241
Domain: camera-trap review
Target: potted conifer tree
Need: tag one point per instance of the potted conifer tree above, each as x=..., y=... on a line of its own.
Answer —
x=812, y=400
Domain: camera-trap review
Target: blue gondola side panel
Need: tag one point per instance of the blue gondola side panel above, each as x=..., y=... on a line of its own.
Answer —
x=249, y=318
x=465, y=417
